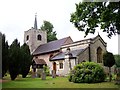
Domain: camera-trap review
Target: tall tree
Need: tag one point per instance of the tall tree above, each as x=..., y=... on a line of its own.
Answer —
x=5, y=55
x=89, y=15
x=51, y=35
x=109, y=61
x=15, y=59
x=26, y=60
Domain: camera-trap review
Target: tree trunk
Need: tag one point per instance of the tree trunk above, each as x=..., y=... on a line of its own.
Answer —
x=110, y=77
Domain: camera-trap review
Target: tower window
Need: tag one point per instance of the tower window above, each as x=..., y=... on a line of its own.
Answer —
x=39, y=37
x=27, y=38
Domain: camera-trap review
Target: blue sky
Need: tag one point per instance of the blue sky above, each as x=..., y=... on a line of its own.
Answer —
x=18, y=16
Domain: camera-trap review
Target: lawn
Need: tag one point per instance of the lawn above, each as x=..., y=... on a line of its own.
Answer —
x=58, y=82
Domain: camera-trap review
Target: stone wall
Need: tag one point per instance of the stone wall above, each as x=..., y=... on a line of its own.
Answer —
x=84, y=56
x=93, y=48
x=74, y=46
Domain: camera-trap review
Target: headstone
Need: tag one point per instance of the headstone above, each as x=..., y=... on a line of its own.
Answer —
x=118, y=76
x=53, y=74
x=33, y=72
x=43, y=75
x=38, y=74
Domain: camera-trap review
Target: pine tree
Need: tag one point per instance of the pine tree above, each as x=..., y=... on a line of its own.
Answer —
x=15, y=59
x=5, y=55
x=26, y=60
x=108, y=61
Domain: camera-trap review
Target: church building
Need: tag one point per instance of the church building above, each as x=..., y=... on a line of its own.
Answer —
x=63, y=54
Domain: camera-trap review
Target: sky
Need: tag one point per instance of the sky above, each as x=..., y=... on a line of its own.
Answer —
x=17, y=16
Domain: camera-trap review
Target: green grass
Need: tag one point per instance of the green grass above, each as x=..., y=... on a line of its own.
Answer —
x=58, y=82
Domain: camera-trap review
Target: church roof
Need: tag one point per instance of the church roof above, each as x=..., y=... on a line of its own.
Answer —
x=61, y=55
x=51, y=46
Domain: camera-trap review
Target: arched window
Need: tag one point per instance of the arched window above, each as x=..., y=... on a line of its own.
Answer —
x=99, y=55
x=39, y=37
x=27, y=38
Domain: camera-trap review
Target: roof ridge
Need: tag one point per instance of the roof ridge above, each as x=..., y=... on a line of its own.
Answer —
x=54, y=41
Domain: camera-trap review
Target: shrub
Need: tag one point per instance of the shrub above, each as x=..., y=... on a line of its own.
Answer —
x=87, y=72
x=46, y=69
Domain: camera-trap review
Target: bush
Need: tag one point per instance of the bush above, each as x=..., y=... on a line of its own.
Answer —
x=46, y=69
x=87, y=72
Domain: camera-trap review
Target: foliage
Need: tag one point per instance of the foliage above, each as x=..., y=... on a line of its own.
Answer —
x=20, y=58
x=87, y=72
x=15, y=59
x=46, y=69
x=108, y=61
x=117, y=60
x=26, y=60
x=5, y=55
x=51, y=35
x=89, y=15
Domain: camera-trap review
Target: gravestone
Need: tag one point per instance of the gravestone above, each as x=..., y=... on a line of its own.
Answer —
x=39, y=72
x=118, y=76
x=33, y=74
x=43, y=75
x=53, y=74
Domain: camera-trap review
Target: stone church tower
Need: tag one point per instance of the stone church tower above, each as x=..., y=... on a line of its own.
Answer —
x=35, y=37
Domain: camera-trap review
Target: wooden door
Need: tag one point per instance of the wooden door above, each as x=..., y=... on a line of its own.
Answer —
x=54, y=66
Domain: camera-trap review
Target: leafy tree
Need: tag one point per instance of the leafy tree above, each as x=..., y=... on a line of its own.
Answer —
x=51, y=35
x=15, y=59
x=26, y=60
x=89, y=15
x=5, y=55
x=109, y=61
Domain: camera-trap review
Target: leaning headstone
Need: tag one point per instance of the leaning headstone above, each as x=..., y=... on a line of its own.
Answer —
x=53, y=74
x=33, y=74
x=38, y=72
x=43, y=75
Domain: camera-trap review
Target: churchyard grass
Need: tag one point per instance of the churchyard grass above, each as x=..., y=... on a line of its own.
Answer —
x=58, y=82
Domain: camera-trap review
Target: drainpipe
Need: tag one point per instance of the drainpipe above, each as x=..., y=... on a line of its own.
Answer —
x=89, y=53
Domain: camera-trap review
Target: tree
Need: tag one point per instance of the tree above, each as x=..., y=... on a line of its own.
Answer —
x=109, y=61
x=51, y=35
x=5, y=55
x=15, y=59
x=89, y=15
x=26, y=60
x=117, y=64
